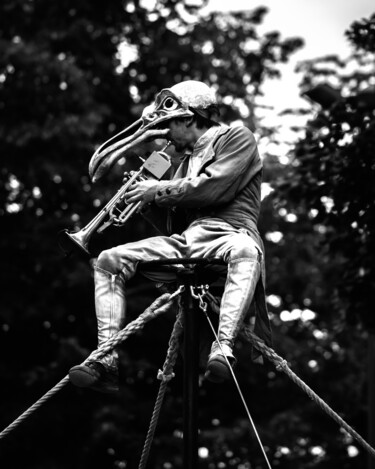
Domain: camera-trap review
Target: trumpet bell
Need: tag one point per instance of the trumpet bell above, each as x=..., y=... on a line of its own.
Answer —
x=77, y=242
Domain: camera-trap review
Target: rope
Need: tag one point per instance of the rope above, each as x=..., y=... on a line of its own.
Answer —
x=165, y=376
x=158, y=307
x=203, y=307
x=282, y=365
x=240, y=393
x=35, y=406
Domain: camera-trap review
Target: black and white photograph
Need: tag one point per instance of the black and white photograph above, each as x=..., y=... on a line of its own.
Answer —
x=187, y=247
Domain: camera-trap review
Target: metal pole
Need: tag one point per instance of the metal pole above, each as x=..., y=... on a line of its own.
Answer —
x=191, y=378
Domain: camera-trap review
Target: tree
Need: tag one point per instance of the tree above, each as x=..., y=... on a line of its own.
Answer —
x=333, y=170
x=332, y=178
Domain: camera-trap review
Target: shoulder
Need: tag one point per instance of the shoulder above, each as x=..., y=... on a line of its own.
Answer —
x=239, y=142
x=239, y=138
x=239, y=132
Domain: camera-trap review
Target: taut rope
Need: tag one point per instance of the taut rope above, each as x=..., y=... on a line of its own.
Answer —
x=158, y=307
x=282, y=365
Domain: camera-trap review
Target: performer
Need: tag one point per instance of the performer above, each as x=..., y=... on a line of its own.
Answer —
x=217, y=188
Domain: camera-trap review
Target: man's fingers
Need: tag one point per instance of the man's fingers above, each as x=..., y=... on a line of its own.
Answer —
x=143, y=191
x=130, y=195
x=131, y=200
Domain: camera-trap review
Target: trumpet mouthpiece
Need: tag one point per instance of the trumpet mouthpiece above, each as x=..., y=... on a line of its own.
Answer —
x=168, y=144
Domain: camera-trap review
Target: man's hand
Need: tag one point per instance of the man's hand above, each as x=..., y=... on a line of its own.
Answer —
x=142, y=191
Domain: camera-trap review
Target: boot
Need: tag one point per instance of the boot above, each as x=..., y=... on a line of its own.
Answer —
x=242, y=279
x=110, y=305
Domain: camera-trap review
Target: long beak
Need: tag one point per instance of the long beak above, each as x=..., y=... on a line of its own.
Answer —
x=111, y=151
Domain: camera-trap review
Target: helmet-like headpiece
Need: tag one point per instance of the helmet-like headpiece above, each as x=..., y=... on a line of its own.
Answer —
x=181, y=100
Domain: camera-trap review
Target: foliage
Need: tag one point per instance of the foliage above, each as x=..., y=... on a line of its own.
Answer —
x=332, y=176
x=328, y=190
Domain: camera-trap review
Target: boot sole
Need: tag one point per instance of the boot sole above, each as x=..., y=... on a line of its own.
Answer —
x=218, y=371
x=84, y=379
x=81, y=378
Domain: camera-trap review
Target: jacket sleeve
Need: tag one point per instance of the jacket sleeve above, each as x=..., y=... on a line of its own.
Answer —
x=234, y=163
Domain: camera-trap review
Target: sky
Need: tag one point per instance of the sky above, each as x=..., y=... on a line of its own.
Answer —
x=321, y=23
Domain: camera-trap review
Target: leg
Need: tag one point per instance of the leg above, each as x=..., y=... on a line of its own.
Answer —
x=237, y=248
x=113, y=268
x=242, y=278
x=110, y=307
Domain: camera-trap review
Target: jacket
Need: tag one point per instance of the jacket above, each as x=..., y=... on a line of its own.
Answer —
x=227, y=185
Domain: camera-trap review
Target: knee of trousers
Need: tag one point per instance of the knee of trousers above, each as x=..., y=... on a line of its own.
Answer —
x=109, y=261
x=244, y=251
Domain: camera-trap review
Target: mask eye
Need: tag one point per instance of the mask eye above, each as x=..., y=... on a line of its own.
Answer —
x=170, y=104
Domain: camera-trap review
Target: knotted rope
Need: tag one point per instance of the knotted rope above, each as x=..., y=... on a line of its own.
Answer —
x=282, y=365
x=158, y=307
x=165, y=376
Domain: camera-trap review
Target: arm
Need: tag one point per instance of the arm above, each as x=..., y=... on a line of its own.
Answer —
x=235, y=162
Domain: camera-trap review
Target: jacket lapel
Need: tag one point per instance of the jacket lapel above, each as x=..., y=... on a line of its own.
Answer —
x=208, y=154
x=209, y=151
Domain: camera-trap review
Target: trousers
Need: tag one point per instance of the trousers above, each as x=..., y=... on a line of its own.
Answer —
x=207, y=238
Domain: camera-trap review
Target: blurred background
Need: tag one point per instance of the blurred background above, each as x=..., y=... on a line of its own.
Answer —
x=301, y=76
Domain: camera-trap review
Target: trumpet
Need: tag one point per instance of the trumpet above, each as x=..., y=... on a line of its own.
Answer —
x=154, y=167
